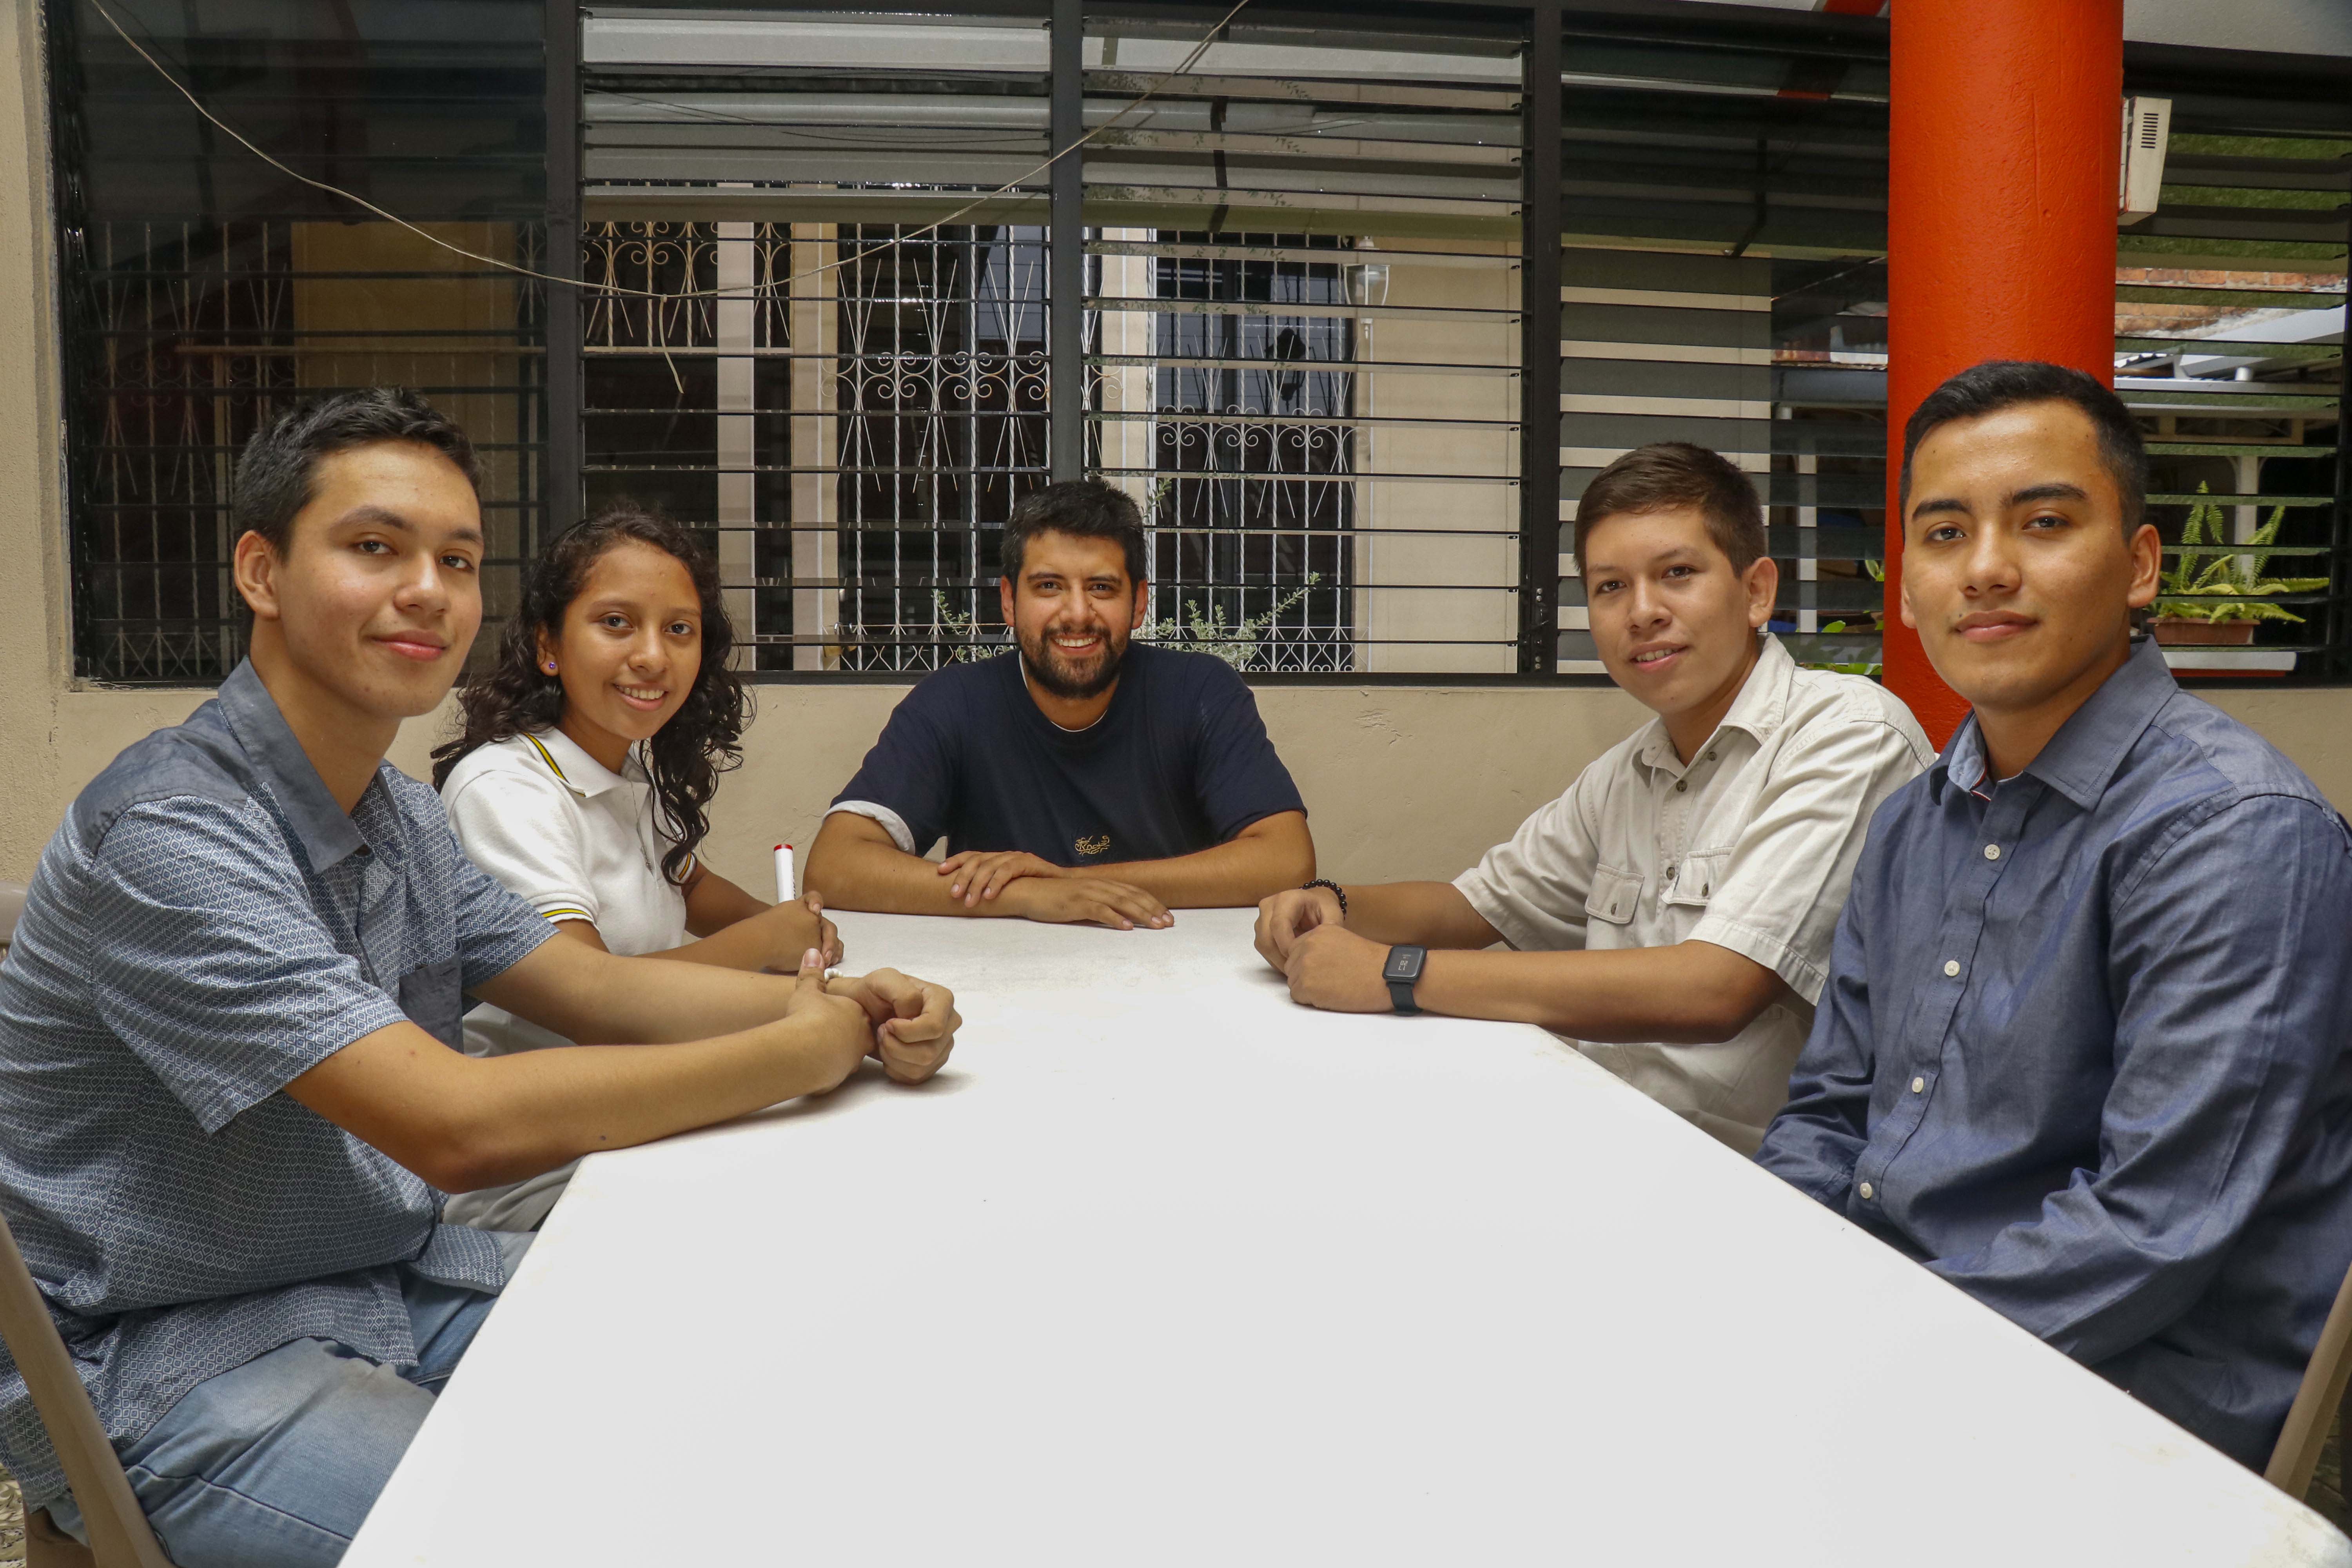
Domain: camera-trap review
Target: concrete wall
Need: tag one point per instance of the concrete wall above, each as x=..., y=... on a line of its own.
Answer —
x=1402, y=781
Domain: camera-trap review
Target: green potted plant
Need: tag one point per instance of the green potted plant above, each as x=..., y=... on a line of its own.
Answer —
x=2212, y=597
x=1237, y=643
x=1867, y=622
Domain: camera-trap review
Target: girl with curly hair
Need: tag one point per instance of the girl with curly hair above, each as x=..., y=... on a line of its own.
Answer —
x=590, y=753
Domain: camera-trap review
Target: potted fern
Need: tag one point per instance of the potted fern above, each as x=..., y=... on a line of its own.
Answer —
x=2214, y=597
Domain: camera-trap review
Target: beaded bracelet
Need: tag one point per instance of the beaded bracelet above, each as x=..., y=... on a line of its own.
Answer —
x=1338, y=892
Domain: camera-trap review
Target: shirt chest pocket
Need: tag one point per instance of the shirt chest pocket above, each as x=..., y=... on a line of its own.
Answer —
x=1616, y=896
x=1694, y=879
x=431, y=997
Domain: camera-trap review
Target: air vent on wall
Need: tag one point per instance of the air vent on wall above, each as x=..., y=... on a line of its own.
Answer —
x=2139, y=177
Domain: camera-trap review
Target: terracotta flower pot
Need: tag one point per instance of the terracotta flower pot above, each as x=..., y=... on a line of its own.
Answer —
x=2187, y=631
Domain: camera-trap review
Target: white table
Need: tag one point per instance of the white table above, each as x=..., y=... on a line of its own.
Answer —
x=1166, y=1269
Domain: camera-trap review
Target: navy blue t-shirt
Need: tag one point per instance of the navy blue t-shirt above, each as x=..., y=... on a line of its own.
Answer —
x=1180, y=764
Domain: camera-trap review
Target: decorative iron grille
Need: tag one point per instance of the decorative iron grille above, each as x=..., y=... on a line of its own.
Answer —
x=1306, y=335
x=686, y=346
x=848, y=477
x=1302, y=521
x=1254, y=453
x=942, y=404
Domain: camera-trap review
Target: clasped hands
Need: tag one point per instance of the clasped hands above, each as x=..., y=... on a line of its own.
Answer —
x=1300, y=933
x=907, y=1025
x=1023, y=884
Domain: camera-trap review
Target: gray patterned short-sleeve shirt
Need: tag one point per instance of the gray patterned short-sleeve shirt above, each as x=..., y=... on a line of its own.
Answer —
x=206, y=926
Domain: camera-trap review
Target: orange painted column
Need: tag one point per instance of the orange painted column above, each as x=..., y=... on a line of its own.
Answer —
x=2004, y=126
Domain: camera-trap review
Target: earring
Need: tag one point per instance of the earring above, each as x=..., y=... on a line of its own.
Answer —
x=550, y=667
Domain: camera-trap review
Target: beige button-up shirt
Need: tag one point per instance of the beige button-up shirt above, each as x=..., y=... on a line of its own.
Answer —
x=1750, y=845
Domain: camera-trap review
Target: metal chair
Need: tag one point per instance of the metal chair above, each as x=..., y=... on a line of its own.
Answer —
x=118, y=1533
x=2316, y=1402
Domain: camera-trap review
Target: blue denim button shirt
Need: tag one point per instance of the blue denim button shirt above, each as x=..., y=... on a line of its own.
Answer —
x=206, y=926
x=2083, y=1050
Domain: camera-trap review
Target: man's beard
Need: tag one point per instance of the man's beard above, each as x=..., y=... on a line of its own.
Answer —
x=1037, y=656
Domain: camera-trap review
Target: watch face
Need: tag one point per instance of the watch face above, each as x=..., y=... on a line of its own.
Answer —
x=1404, y=964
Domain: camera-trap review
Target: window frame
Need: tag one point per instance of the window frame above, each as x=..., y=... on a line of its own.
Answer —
x=1548, y=31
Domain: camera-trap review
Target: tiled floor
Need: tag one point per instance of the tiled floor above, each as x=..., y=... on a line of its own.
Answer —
x=2326, y=1492
x=2326, y=1496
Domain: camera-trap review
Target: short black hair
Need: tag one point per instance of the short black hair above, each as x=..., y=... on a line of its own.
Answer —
x=2000, y=383
x=275, y=474
x=1665, y=475
x=1087, y=509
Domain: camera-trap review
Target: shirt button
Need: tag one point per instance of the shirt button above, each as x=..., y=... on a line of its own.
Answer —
x=1866, y=1189
x=1710, y=756
x=1992, y=851
x=1952, y=966
x=1919, y=1085
x=1681, y=785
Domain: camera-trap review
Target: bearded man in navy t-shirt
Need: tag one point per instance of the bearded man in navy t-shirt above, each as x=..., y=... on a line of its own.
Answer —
x=1079, y=777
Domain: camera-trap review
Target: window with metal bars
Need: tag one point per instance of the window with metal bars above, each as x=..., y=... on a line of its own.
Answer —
x=204, y=292
x=183, y=318
x=942, y=406
x=1723, y=200
x=1302, y=519
x=685, y=370
x=889, y=408
x=1306, y=335
x=1302, y=344
x=1253, y=459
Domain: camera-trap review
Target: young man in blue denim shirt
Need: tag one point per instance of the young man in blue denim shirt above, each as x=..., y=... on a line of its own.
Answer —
x=229, y=1096
x=2083, y=1050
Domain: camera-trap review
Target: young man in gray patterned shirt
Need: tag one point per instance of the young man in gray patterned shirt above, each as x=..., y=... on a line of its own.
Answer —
x=229, y=1097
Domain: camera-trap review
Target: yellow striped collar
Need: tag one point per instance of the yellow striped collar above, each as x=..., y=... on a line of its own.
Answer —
x=578, y=772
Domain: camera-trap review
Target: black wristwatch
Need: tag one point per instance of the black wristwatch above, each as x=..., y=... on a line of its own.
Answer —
x=1402, y=972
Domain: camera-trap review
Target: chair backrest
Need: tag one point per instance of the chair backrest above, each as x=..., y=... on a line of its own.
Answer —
x=118, y=1534
x=2316, y=1401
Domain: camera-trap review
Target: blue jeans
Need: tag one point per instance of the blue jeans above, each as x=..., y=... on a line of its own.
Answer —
x=274, y=1465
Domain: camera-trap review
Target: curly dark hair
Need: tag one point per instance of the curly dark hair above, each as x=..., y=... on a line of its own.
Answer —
x=685, y=755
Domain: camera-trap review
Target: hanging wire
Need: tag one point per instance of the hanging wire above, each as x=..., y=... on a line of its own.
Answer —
x=1182, y=67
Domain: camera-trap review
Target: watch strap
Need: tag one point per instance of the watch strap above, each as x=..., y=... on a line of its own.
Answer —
x=1401, y=991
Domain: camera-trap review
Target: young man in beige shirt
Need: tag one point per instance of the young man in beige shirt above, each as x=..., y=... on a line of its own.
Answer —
x=1673, y=911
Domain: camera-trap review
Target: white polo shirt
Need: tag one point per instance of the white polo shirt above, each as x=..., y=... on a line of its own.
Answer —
x=1750, y=847
x=576, y=841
